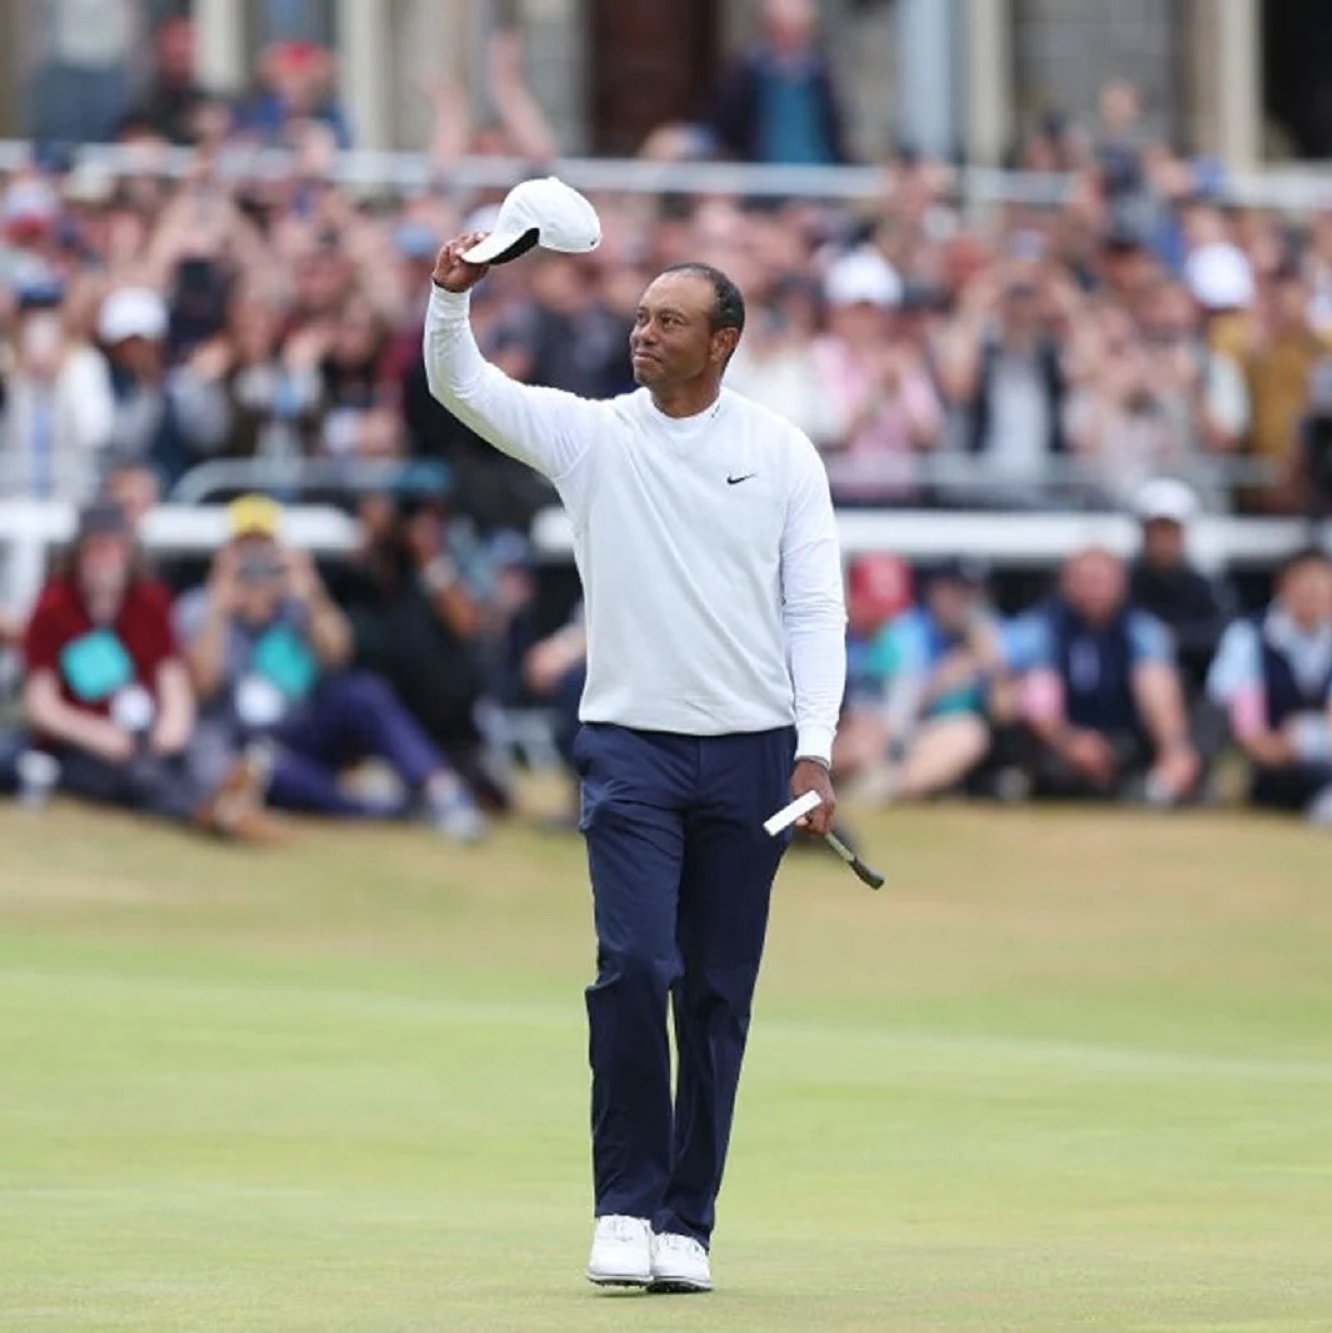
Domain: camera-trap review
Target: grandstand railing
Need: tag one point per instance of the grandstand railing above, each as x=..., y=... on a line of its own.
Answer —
x=1064, y=481
x=31, y=529
x=1286, y=189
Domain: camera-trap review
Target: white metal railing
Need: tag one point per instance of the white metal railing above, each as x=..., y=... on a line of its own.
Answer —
x=1061, y=480
x=1287, y=189
x=31, y=529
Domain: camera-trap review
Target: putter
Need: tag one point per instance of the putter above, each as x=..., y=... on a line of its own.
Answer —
x=798, y=809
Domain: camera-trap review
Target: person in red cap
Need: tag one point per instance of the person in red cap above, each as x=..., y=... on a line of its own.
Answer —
x=916, y=723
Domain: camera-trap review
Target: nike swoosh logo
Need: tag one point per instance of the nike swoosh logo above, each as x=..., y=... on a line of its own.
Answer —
x=735, y=481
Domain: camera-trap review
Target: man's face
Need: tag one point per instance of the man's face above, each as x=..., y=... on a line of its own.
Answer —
x=1163, y=543
x=951, y=603
x=104, y=567
x=261, y=578
x=175, y=51
x=140, y=358
x=1306, y=594
x=673, y=340
x=1094, y=585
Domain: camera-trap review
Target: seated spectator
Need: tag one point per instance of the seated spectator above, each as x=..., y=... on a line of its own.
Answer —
x=107, y=694
x=416, y=620
x=1194, y=608
x=58, y=406
x=1101, y=695
x=1274, y=678
x=777, y=102
x=878, y=382
x=554, y=671
x=267, y=650
x=926, y=732
x=173, y=101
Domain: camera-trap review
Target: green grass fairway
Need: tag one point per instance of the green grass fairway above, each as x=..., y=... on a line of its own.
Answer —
x=1067, y=1071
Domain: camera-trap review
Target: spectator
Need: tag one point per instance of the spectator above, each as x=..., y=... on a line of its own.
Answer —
x=1274, y=677
x=81, y=86
x=108, y=695
x=351, y=370
x=1004, y=370
x=576, y=343
x=1280, y=370
x=777, y=102
x=273, y=392
x=554, y=671
x=172, y=104
x=1202, y=389
x=1162, y=582
x=776, y=363
x=1118, y=421
x=416, y=621
x=886, y=401
x=929, y=731
x=166, y=419
x=267, y=650
x=298, y=82
x=1101, y=695
x=58, y=407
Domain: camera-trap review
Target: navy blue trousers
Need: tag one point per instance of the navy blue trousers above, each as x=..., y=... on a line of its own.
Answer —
x=682, y=873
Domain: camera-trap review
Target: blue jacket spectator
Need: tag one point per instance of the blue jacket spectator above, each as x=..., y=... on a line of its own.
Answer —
x=777, y=103
x=1101, y=692
x=1273, y=675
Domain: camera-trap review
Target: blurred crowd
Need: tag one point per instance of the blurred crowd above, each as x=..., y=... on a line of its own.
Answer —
x=1135, y=335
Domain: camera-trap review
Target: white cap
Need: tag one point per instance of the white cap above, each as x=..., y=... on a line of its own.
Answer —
x=863, y=276
x=543, y=212
x=1166, y=499
x=1220, y=277
x=132, y=312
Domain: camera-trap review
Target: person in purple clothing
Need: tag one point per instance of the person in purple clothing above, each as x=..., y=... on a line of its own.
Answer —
x=267, y=650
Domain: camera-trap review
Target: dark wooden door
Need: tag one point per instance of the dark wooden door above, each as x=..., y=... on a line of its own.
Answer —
x=652, y=61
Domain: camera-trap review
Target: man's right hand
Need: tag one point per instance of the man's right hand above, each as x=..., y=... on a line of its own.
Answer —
x=112, y=743
x=452, y=272
x=224, y=588
x=1090, y=754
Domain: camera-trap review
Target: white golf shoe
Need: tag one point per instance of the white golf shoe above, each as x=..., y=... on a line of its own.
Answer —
x=621, y=1252
x=679, y=1264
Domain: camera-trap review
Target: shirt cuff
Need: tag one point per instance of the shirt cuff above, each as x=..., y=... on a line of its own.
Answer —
x=449, y=305
x=815, y=742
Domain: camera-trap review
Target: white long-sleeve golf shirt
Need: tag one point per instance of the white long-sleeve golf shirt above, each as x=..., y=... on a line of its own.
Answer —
x=706, y=545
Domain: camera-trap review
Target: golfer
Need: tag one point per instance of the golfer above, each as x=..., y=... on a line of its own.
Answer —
x=704, y=536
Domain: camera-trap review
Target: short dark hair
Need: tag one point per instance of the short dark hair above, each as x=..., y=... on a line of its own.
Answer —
x=1306, y=555
x=728, y=306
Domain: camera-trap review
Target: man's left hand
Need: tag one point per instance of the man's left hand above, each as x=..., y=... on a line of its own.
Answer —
x=810, y=775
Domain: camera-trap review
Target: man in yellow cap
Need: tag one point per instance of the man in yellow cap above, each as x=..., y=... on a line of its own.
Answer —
x=269, y=654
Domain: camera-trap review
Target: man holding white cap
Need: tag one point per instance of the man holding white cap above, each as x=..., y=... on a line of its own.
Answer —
x=705, y=538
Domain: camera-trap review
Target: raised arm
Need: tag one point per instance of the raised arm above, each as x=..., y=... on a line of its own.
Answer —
x=547, y=429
